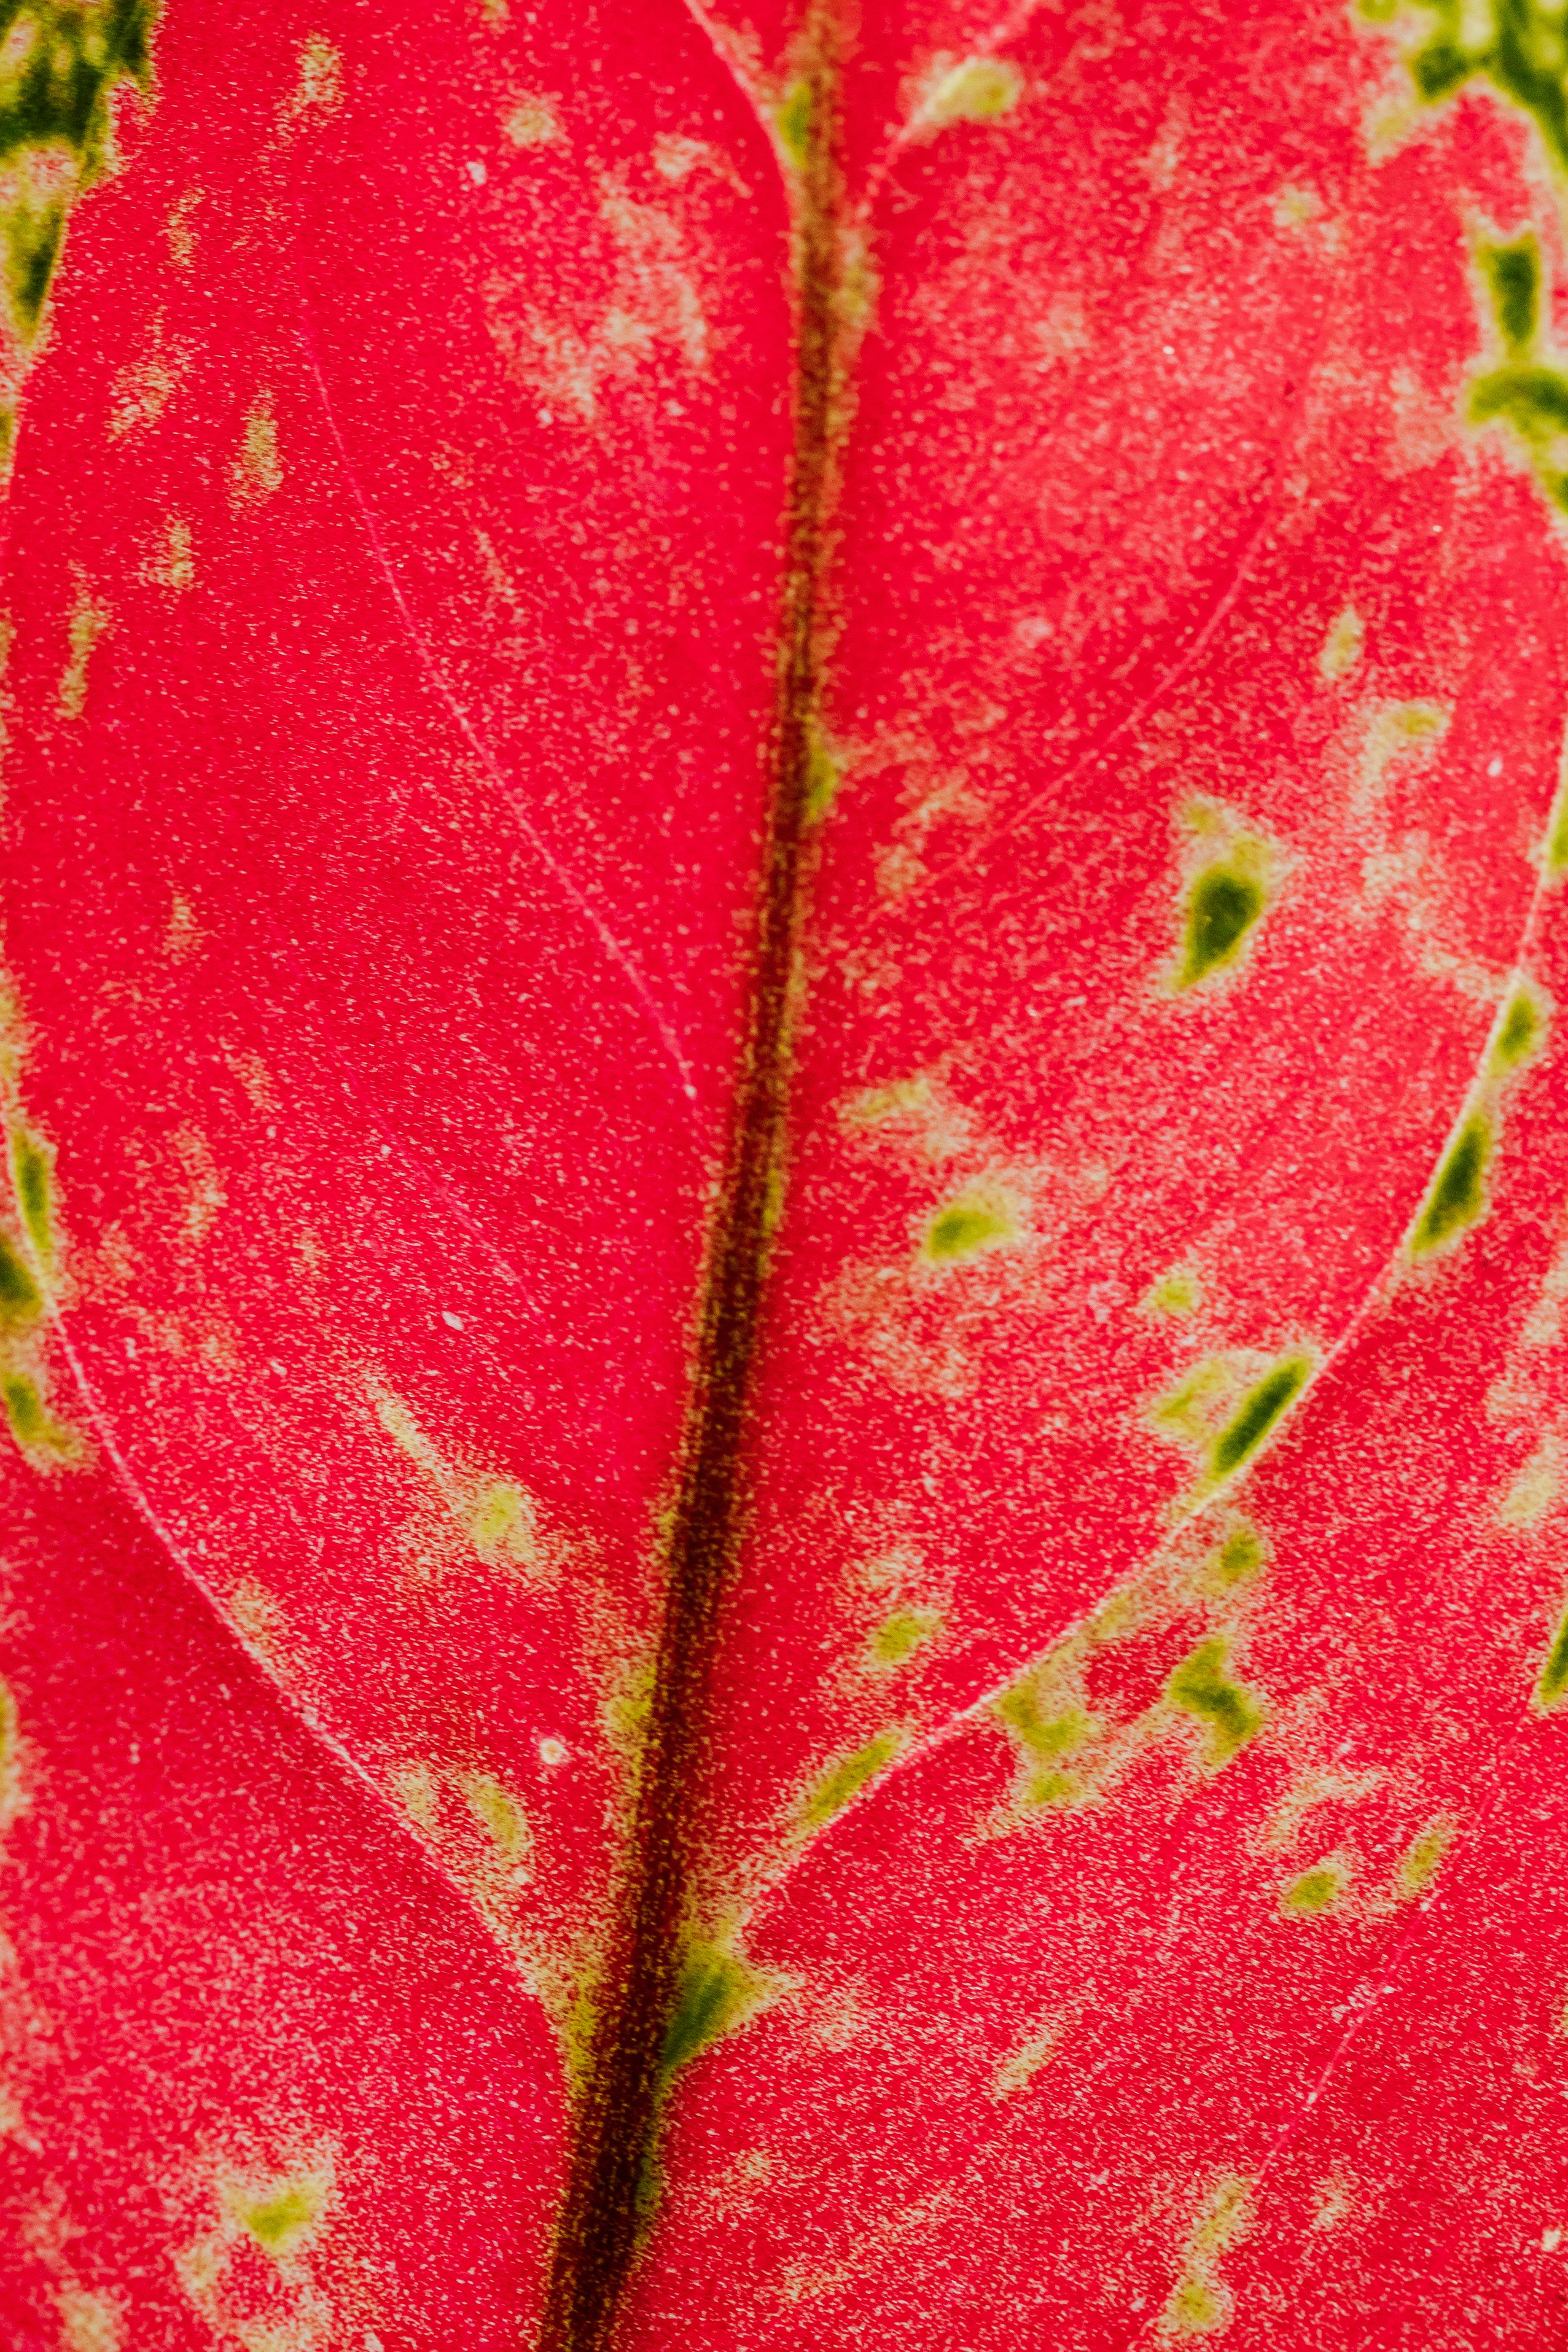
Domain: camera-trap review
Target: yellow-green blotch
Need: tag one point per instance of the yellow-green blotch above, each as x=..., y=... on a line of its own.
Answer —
x=977, y=89
x=972, y=1222
x=1423, y=1857
x=899, y=1635
x=1457, y=1195
x=717, y=1990
x=283, y=2214
x=1047, y=1742
x=1315, y=1891
x=843, y=1780
x=1202, y=1686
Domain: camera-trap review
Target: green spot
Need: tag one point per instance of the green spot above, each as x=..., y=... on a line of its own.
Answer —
x=1529, y=397
x=1552, y=1680
x=1201, y=1686
x=1520, y=1031
x=844, y=1781
x=898, y=1637
x=1458, y=1196
x=1532, y=400
x=498, y=1814
x=32, y=1172
x=1424, y=1856
x=1316, y=1891
x=576, y=2017
x=978, y=90
x=283, y=2214
x=627, y=1708
x=1049, y=1743
x=715, y=1993
x=822, y=779
x=1225, y=904
x=1173, y=1295
x=1343, y=647
x=32, y=1423
x=970, y=1223
x=1200, y=2303
x=33, y=235
x=1439, y=70
x=794, y=119
x=1514, y=278
x=775, y=1193
x=1260, y=1409
x=19, y=1300
x=1194, y=2308
x=1237, y=1559
x=501, y=1522
x=1557, y=836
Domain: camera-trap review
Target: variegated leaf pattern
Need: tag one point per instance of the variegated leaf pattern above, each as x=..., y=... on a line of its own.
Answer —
x=782, y=1302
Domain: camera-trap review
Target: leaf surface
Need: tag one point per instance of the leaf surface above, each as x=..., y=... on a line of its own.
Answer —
x=779, y=826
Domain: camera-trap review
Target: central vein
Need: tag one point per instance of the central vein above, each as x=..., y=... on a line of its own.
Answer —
x=603, y=2207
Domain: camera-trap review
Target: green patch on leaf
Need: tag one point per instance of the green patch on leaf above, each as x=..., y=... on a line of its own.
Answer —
x=1223, y=1407
x=1200, y=2303
x=1194, y=2307
x=500, y=1520
x=1048, y=1742
x=20, y=1303
x=34, y=233
x=1423, y=1857
x=1520, y=1031
x=32, y=1173
x=978, y=89
x=823, y=776
x=1258, y=1412
x=1458, y=1197
x=1236, y=1560
x=974, y=1221
x=1513, y=273
x=1343, y=647
x=1173, y=1295
x=31, y=1422
x=1552, y=1682
x=575, y=2013
x=1315, y=1891
x=286, y=2212
x=1534, y=401
x=1554, y=847
x=1532, y=398
x=1223, y=905
x=498, y=1814
x=716, y=1992
x=1202, y=1686
x=627, y=1707
x=796, y=119
x=842, y=1781
x=898, y=1636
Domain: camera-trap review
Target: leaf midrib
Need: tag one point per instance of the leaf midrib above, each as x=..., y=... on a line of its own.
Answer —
x=604, y=2202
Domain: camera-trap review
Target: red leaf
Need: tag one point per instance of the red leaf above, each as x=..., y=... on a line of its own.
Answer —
x=781, y=1082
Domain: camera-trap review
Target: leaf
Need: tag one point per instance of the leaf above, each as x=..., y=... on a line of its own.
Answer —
x=781, y=808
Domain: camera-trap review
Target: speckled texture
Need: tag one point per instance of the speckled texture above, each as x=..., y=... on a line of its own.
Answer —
x=1128, y=1797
